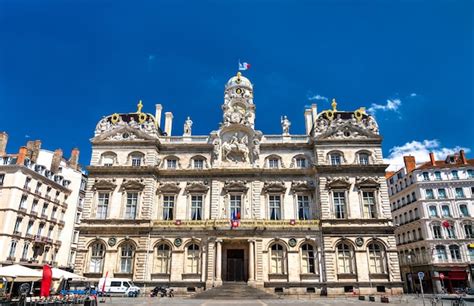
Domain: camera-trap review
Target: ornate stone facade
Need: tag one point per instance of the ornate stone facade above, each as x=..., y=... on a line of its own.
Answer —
x=158, y=208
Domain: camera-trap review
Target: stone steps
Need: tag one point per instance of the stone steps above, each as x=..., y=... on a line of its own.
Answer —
x=234, y=291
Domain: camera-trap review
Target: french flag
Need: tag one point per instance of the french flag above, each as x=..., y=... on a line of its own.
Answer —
x=235, y=220
x=244, y=66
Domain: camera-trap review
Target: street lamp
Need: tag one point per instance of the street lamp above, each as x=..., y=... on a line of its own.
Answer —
x=411, y=256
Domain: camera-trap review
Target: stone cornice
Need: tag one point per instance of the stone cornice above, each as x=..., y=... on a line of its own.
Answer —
x=36, y=175
x=357, y=169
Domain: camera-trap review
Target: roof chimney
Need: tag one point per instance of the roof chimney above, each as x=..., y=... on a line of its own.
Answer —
x=432, y=159
x=410, y=163
x=308, y=120
x=56, y=161
x=3, y=143
x=33, y=148
x=158, y=108
x=74, y=159
x=463, y=157
x=168, y=123
x=20, y=160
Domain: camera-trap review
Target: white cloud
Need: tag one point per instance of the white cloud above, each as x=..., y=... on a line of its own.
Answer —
x=318, y=97
x=420, y=150
x=391, y=105
x=413, y=95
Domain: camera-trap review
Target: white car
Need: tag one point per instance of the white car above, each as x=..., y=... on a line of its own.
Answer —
x=117, y=286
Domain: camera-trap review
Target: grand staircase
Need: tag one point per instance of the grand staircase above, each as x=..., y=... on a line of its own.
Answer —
x=234, y=291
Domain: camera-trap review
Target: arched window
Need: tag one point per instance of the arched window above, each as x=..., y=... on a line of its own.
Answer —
x=126, y=258
x=277, y=259
x=108, y=159
x=308, y=258
x=464, y=211
x=192, y=259
x=198, y=162
x=163, y=258
x=454, y=252
x=364, y=159
x=441, y=253
x=97, y=250
x=136, y=159
x=376, y=258
x=335, y=158
x=345, y=258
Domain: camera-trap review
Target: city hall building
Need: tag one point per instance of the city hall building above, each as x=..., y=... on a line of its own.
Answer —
x=284, y=213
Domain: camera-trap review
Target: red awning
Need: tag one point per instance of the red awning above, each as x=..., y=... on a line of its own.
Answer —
x=457, y=275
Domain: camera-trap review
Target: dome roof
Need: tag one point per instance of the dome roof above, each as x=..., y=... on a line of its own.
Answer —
x=238, y=80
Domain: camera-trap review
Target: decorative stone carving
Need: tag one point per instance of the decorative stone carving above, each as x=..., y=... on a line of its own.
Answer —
x=187, y=127
x=132, y=185
x=285, y=125
x=338, y=182
x=236, y=145
x=169, y=187
x=103, y=185
x=238, y=186
x=301, y=186
x=196, y=187
x=364, y=181
x=137, y=121
x=274, y=186
x=347, y=126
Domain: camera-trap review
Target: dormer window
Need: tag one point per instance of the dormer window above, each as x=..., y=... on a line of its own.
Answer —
x=273, y=163
x=198, y=164
x=363, y=159
x=426, y=176
x=171, y=163
x=300, y=162
x=455, y=175
x=336, y=159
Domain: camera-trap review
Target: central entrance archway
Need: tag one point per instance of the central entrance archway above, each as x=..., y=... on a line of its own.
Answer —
x=235, y=265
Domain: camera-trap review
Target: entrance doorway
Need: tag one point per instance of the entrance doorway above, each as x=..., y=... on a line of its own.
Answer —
x=235, y=266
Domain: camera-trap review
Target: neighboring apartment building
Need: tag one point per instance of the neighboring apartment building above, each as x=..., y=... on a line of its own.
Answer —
x=433, y=206
x=41, y=198
x=311, y=211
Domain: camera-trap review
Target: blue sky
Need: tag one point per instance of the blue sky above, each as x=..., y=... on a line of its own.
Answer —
x=65, y=64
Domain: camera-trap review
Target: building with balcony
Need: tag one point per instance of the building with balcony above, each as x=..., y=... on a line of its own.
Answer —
x=433, y=207
x=285, y=213
x=41, y=196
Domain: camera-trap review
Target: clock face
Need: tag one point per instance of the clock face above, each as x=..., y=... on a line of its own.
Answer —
x=239, y=91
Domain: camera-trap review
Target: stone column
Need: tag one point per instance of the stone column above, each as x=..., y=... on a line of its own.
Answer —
x=219, y=263
x=251, y=261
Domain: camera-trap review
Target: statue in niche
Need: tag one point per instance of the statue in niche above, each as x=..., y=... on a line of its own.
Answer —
x=285, y=125
x=256, y=149
x=236, y=145
x=187, y=127
x=217, y=148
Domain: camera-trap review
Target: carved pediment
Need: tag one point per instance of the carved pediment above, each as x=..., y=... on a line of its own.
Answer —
x=169, y=187
x=196, y=187
x=274, y=186
x=103, y=185
x=347, y=126
x=363, y=181
x=237, y=186
x=301, y=186
x=338, y=182
x=132, y=185
x=123, y=133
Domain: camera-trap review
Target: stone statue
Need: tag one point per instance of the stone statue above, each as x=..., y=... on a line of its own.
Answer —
x=236, y=145
x=217, y=148
x=285, y=125
x=133, y=123
x=103, y=126
x=187, y=127
x=256, y=149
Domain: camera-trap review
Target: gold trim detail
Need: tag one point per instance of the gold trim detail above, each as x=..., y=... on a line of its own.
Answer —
x=139, y=106
x=142, y=118
x=115, y=118
x=359, y=113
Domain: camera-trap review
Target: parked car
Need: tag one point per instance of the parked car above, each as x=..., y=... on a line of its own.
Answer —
x=118, y=286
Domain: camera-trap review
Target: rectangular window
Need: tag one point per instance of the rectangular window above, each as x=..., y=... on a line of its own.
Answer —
x=445, y=211
x=53, y=212
x=198, y=164
x=23, y=201
x=275, y=207
x=470, y=173
x=455, y=175
x=426, y=176
x=38, y=187
x=339, y=204
x=136, y=161
x=300, y=162
x=442, y=193
x=438, y=176
x=303, y=207
x=131, y=207
x=40, y=229
x=437, y=232
x=171, y=163
x=433, y=211
x=450, y=231
x=168, y=207
x=44, y=210
x=13, y=244
x=102, y=205
x=196, y=207
x=235, y=206
x=429, y=194
x=24, y=254
x=29, y=229
x=368, y=199
x=2, y=178
x=335, y=159
x=459, y=193
x=108, y=161
x=16, y=229
x=273, y=163
x=50, y=231
x=464, y=211
x=363, y=159
x=468, y=231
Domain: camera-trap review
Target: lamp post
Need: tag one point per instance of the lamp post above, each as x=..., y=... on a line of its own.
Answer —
x=411, y=256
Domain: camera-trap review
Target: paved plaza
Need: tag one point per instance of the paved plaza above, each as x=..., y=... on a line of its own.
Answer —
x=303, y=301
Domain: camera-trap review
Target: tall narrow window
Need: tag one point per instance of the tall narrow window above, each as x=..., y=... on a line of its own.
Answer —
x=235, y=206
x=464, y=211
x=198, y=164
x=277, y=259
x=275, y=207
x=126, y=258
x=23, y=201
x=429, y=194
x=442, y=193
x=345, y=258
x=103, y=205
x=441, y=253
x=16, y=229
x=445, y=210
x=437, y=232
x=468, y=231
x=300, y=162
x=168, y=207
x=196, y=207
x=433, y=211
x=131, y=207
x=455, y=175
x=29, y=228
x=11, y=253
x=303, y=207
x=24, y=253
x=369, y=204
x=450, y=232
x=273, y=163
x=308, y=258
x=335, y=159
x=97, y=257
x=339, y=205
x=376, y=258
x=2, y=179
x=426, y=176
x=171, y=163
x=454, y=252
x=363, y=158
x=192, y=259
x=40, y=229
x=438, y=176
x=108, y=160
x=163, y=259
x=459, y=193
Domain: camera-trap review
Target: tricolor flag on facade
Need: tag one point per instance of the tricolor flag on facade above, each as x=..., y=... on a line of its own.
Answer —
x=234, y=219
x=244, y=66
